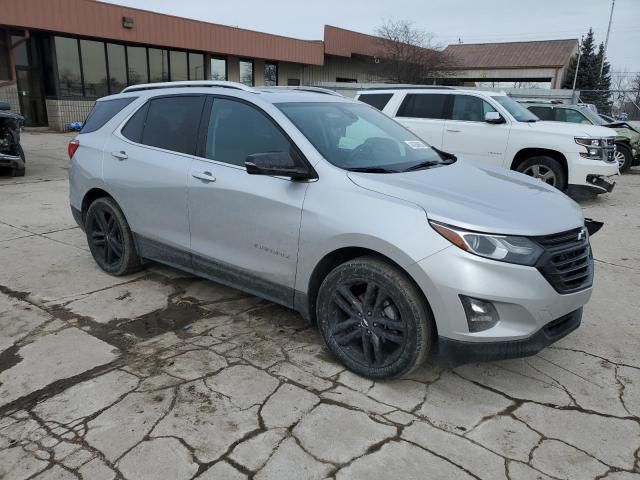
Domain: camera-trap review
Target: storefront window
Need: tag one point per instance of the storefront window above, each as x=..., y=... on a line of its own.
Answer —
x=137, y=67
x=94, y=69
x=4, y=56
x=246, y=72
x=117, y=67
x=68, y=61
x=196, y=66
x=179, y=70
x=270, y=74
x=218, y=69
x=158, y=65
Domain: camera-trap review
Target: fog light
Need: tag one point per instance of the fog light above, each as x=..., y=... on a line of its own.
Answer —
x=481, y=314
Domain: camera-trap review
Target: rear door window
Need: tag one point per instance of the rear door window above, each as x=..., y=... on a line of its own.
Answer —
x=543, y=113
x=424, y=105
x=172, y=123
x=377, y=100
x=104, y=111
x=133, y=129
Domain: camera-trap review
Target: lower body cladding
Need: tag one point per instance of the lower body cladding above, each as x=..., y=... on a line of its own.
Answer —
x=594, y=176
x=521, y=311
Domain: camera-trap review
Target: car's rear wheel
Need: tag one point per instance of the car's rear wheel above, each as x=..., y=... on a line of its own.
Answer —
x=374, y=319
x=110, y=239
x=623, y=156
x=19, y=172
x=546, y=169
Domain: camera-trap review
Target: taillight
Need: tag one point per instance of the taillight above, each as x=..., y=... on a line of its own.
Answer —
x=72, y=147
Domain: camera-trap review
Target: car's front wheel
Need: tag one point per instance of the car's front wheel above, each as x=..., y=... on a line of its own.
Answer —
x=374, y=319
x=623, y=156
x=110, y=239
x=546, y=169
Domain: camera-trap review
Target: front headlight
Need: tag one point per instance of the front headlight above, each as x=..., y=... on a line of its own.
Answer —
x=593, y=146
x=503, y=248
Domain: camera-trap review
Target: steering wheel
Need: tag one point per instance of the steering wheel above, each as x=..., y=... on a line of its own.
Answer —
x=374, y=148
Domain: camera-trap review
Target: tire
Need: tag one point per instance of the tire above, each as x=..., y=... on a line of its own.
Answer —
x=625, y=164
x=355, y=334
x=546, y=169
x=115, y=251
x=18, y=172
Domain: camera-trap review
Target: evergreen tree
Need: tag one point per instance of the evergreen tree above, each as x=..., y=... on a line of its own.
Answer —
x=594, y=88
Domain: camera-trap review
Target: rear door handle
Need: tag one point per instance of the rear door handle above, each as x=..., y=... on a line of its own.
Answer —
x=204, y=176
x=121, y=155
x=453, y=130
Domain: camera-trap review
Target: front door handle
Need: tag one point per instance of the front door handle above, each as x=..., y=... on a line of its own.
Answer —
x=121, y=155
x=204, y=176
x=453, y=130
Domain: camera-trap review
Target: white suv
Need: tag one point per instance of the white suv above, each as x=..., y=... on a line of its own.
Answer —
x=492, y=128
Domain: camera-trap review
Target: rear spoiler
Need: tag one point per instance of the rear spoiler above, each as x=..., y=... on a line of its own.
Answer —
x=592, y=226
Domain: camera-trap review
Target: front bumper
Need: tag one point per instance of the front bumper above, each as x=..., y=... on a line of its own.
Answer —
x=593, y=175
x=11, y=161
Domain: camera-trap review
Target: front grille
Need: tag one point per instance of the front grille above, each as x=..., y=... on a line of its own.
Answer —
x=567, y=262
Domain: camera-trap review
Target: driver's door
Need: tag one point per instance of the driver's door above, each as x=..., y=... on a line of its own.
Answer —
x=244, y=228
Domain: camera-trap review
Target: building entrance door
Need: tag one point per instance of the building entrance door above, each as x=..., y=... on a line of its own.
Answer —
x=26, y=52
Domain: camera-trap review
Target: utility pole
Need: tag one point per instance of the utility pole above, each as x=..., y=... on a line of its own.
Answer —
x=575, y=75
x=606, y=40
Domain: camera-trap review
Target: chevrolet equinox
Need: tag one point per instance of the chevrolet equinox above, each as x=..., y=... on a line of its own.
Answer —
x=325, y=205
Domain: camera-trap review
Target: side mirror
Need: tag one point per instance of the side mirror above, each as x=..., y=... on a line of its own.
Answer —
x=5, y=106
x=493, y=117
x=279, y=164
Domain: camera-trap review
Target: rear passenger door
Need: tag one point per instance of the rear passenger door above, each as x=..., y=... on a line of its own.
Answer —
x=467, y=134
x=424, y=114
x=146, y=166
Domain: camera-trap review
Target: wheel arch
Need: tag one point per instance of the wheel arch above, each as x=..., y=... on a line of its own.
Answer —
x=91, y=196
x=526, y=153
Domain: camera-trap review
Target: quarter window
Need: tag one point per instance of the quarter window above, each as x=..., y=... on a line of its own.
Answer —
x=469, y=108
x=420, y=105
x=104, y=111
x=377, y=100
x=237, y=130
x=133, y=129
x=172, y=123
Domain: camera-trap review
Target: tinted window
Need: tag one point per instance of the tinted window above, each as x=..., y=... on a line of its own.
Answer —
x=179, y=71
x=469, y=108
x=377, y=100
x=218, y=69
x=68, y=59
x=520, y=113
x=417, y=105
x=246, y=72
x=104, y=111
x=196, y=66
x=137, y=57
x=237, y=130
x=94, y=69
x=117, y=67
x=172, y=123
x=133, y=129
x=543, y=113
x=158, y=65
x=270, y=74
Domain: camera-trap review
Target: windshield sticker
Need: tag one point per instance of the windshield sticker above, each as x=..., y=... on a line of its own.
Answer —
x=415, y=144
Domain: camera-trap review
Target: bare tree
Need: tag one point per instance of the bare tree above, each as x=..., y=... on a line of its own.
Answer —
x=409, y=55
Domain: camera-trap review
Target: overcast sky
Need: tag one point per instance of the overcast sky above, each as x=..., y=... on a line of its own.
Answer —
x=472, y=21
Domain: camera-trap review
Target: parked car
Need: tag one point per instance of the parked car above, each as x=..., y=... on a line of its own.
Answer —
x=327, y=206
x=627, y=138
x=493, y=128
x=11, y=154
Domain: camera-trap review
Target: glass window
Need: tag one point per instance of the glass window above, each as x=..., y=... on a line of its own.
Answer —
x=133, y=129
x=104, y=111
x=4, y=57
x=543, y=113
x=172, y=123
x=357, y=137
x=158, y=65
x=468, y=108
x=237, y=130
x=377, y=100
x=270, y=74
x=117, y=67
x=418, y=105
x=94, y=69
x=218, y=69
x=572, y=116
x=179, y=71
x=246, y=72
x=293, y=82
x=196, y=66
x=21, y=52
x=68, y=60
x=518, y=112
x=137, y=65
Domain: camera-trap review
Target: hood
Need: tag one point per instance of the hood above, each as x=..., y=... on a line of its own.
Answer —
x=575, y=129
x=481, y=198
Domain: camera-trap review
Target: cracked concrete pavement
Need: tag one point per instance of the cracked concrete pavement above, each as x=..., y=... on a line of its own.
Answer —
x=162, y=375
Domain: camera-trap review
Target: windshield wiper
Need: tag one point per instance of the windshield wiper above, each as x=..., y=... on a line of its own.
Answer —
x=427, y=164
x=371, y=170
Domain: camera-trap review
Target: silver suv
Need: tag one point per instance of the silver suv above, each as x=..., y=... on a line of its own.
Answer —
x=327, y=206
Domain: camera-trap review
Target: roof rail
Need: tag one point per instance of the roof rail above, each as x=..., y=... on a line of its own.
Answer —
x=191, y=83
x=325, y=91
x=417, y=87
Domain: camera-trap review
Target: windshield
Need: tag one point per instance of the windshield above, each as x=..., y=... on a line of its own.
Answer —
x=593, y=116
x=518, y=112
x=358, y=137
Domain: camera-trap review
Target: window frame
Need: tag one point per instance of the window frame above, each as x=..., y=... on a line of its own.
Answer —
x=204, y=128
